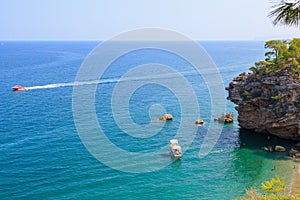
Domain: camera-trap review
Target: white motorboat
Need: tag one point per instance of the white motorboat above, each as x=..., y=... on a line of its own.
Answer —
x=175, y=148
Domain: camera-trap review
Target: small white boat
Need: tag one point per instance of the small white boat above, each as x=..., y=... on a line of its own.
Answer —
x=175, y=148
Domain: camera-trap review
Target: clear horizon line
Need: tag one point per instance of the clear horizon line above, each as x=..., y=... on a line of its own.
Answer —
x=87, y=40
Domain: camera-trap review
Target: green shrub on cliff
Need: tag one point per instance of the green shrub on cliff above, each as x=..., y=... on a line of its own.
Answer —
x=277, y=50
x=281, y=54
x=294, y=48
x=277, y=97
x=247, y=95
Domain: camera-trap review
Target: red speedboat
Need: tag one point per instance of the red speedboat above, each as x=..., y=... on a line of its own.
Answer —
x=18, y=88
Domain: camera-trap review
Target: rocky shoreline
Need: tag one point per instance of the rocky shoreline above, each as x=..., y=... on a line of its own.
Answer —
x=268, y=102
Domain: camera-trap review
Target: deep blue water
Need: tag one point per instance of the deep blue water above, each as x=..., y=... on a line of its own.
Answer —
x=43, y=157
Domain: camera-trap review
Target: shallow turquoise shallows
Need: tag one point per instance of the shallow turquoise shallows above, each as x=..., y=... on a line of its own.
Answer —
x=42, y=156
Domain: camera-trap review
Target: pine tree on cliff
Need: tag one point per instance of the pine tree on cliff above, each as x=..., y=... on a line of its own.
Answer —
x=286, y=13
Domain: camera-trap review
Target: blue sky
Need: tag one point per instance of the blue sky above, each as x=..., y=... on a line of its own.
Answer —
x=100, y=20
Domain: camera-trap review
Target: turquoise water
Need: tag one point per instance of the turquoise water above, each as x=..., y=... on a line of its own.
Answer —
x=42, y=156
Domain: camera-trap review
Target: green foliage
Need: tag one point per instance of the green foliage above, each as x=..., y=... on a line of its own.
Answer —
x=281, y=55
x=294, y=48
x=257, y=77
x=298, y=195
x=286, y=12
x=276, y=97
x=259, y=65
x=273, y=189
x=269, y=70
x=278, y=50
x=273, y=186
x=247, y=95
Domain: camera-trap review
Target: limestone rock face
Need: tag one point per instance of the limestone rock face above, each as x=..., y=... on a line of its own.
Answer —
x=268, y=103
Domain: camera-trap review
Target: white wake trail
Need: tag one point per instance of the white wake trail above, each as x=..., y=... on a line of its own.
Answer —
x=113, y=80
x=71, y=84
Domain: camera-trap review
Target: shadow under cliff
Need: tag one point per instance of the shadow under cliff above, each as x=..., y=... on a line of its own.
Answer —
x=259, y=141
x=251, y=165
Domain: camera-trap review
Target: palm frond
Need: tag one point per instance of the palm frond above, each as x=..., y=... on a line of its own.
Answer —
x=287, y=13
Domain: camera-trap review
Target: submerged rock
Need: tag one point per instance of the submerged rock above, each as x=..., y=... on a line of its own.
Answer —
x=294, y=153
x=297, y=145
x=268, y=102
x=280, y=148
x=270, y=148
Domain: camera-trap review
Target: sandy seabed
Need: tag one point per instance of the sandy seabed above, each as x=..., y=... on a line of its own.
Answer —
x=296, y=181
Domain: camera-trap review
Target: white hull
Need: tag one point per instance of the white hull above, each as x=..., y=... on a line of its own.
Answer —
x=175, y=149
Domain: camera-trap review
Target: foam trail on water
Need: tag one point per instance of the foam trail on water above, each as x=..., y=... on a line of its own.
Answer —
x=57, y=85
x=103, y=81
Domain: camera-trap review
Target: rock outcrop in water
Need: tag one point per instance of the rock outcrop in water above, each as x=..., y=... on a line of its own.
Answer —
x=225, y=118
x=268, y=98
x=268, y=103
x=166, y=117
x=199, y=122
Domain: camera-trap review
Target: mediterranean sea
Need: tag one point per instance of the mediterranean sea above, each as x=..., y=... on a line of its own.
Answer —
x=42, y=155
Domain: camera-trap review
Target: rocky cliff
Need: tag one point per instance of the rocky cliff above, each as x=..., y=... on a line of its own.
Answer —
x=268, y=101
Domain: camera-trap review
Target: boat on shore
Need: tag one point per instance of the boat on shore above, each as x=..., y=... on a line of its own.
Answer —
x=18, y=88
x=175, y=149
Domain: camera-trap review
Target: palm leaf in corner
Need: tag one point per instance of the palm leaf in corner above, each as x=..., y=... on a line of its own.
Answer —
x=286, y=12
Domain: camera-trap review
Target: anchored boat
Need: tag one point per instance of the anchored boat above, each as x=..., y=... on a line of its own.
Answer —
x=175, y=149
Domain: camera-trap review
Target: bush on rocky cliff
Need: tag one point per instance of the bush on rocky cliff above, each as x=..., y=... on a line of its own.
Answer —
x=281, y=55
x=268, y=99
